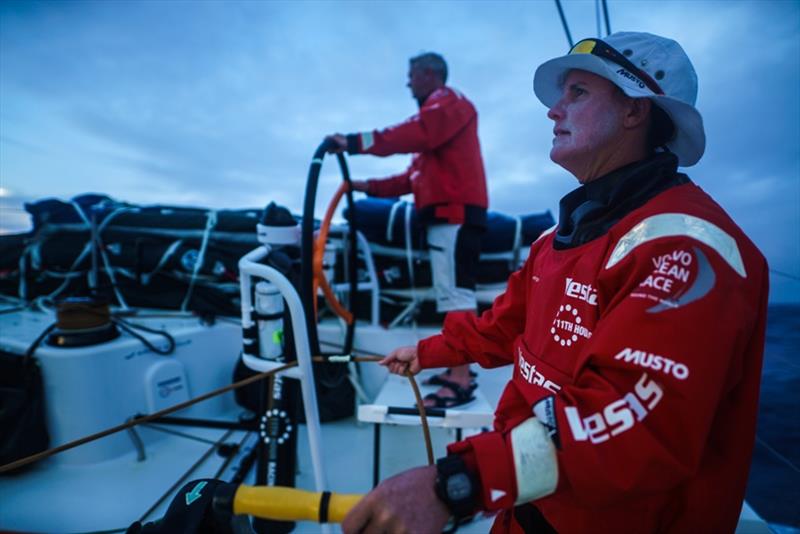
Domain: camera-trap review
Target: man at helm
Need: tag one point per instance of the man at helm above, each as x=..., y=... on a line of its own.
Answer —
x=635, y=328
x=447, y=179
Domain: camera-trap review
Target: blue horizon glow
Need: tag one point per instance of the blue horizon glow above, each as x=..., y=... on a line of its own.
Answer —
x=221, y=104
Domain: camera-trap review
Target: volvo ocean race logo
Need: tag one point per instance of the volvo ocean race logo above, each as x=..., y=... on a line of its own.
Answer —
x=678, y=278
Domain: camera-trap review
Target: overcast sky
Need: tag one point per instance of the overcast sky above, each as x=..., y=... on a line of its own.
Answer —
x=221, y=104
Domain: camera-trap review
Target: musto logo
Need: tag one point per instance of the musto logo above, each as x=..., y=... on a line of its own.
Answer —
x=654, y=362
x=567, y=327
x=618, y=416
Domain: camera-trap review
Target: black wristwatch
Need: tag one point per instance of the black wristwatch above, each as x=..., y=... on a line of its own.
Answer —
x=455, y=486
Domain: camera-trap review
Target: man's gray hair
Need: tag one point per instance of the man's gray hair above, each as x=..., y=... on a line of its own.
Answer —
x=431, y=61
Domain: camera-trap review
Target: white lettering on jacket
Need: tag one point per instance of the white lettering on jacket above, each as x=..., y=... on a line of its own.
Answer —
x=618, y=416
x=532, y=376
x=567, y=327
x=584, y=292
x=668, y=269
x=654, y=362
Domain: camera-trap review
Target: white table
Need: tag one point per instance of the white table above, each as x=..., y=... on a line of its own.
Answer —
x=396, y=405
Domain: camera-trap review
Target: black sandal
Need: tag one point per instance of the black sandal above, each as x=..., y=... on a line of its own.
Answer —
x=463, y=395
x=437, y=380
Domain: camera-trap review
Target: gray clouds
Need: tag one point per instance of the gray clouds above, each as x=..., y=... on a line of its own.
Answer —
x=222, y=103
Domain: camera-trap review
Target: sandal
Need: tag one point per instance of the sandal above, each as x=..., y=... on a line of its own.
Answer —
x=437, y=380
x=463, y=395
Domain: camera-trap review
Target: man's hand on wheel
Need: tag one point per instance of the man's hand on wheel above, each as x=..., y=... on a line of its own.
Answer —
x=337, y=143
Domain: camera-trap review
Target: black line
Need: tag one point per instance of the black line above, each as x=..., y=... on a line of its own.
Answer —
x=564, y=23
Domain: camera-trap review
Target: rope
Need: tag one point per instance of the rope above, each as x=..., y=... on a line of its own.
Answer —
x=423, y=418
x=564, y=23
x=236, y=385
x=128, y=327
x=778, y=455
x=97, y=244
x=104, y=256
x=179, y=434
x=605, y=13
x=787, y=275
x=140, y=420
x=211, y=222
x=410, y=262
x=86, y=249
x=390, y=222
x=597, y=18
x=146, y=277
x=420, y=405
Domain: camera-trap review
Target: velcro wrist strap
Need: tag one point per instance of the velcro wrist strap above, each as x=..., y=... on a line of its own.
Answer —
x=354, y=143
x=495, y=469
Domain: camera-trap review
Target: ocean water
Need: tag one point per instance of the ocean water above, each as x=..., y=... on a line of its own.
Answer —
x=773, y=489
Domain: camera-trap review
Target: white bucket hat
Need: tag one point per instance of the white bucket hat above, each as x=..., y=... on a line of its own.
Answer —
x=643, y=66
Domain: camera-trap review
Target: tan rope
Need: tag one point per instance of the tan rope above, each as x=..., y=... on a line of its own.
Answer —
x=426, y=433
x=145, y=419
x=423, y=417
x=236, y=385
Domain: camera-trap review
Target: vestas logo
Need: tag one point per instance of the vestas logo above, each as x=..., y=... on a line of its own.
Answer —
x=625, y=74
x=584, y=292
x=618, y=416
x=532, y=376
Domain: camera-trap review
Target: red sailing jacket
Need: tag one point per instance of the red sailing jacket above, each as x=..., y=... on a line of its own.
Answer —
x=446, y=172
x=639, y=354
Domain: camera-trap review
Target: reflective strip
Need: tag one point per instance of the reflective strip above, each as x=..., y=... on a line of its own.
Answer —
x=367, y=141
x=679, y=224
x=535, y=464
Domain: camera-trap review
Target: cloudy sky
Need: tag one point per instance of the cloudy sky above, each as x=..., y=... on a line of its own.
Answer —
x=221, y=104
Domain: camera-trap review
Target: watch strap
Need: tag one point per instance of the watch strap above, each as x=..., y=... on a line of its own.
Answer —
x=447, y=468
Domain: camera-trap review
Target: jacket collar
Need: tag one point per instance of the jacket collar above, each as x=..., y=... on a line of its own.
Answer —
x=593, y=208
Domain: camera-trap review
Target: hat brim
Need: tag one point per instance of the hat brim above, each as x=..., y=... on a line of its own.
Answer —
x=689, y=141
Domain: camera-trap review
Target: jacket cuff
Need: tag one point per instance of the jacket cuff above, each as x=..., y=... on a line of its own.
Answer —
x=434, y=352
x=353, y=143
x=512, y=470
x=358, y=143
x=486, y=455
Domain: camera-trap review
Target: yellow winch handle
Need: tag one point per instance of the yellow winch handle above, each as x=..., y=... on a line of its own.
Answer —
x=291, y=504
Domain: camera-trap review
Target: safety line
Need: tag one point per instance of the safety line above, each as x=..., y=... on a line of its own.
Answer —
x=145, y=419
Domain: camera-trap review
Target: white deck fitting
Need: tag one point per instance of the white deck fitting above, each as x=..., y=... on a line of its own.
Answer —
x=397, y=392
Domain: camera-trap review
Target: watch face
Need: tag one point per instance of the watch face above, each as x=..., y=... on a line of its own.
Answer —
x=459, y=487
